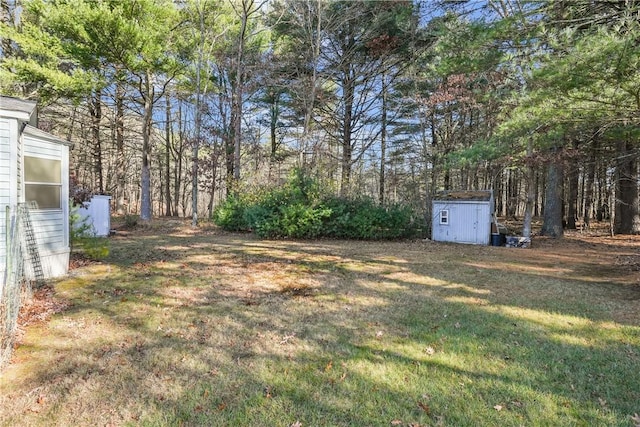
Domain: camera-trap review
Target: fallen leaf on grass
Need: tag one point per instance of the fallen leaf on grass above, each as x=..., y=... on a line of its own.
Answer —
x=424, y=407
x=296, y=424
x=222, y=406
x=430, y=351
x=396, y=422
x=286, y=338
x=498, y=407
x=329, y=366
x=636, y=419
x=268, y=392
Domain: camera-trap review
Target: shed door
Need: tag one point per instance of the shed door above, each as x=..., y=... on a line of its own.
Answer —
x=471, y=223
x=465, y=223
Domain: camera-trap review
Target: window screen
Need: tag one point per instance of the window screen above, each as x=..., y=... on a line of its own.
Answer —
x=43, y=182
x=41, y=170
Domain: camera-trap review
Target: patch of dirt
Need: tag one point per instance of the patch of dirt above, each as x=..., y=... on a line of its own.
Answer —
x=78, y=260
x=38, y=310
x=630, y=262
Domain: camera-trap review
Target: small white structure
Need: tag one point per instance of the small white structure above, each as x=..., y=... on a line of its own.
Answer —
x=34, y=167
x=463, y=217
x=96, y=213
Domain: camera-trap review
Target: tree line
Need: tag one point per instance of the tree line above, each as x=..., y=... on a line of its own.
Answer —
x=173, y=106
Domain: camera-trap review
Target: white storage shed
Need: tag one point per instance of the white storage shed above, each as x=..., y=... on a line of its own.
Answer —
x=34, y=170
x=96, y=214
x=463, y=217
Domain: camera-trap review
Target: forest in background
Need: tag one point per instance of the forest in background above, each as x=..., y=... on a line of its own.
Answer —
x=172, y=106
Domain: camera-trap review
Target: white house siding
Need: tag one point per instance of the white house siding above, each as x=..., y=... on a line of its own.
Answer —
x=18, y=137
x=50, y=233
x=5, y=179
x=51, y=226
x=16, y=163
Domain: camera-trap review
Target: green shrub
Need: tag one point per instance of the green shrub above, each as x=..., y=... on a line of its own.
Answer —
x=299, y=209
x=95, y=248
x=230, y=215
x=340, y=223
x=302, y=221
x=363, y=218
x=78, y=226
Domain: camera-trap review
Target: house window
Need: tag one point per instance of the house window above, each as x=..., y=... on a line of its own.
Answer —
x=444, y=217
x=43, y=182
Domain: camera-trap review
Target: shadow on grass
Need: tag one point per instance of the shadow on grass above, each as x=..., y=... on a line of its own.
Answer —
x=197, y=330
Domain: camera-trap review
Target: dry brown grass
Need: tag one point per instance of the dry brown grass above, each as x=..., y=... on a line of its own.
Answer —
x=203, y=327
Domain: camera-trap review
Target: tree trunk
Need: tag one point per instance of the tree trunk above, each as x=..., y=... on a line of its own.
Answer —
x=177, y=171
x=198, y=122
x=588, y=186
x=6, y=17
x=627, y=214
x=512, y=194
x=603, y=211
x=274, y=115
x=552, y=220
x=542, y=177
x=228, y=144
x=95, y=109
x=145, y=180
x=167, y=159
x=536, y=197
x=121, y=173
x=310, y=100
x=383, y=139
x=572, y=211
x=434, y=157
x=498, y=190
x=530, y=185
x=194, y=164
x=239, y=90
x=347, y=149
x=214, y=172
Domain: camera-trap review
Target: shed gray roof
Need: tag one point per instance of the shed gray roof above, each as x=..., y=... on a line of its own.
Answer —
x=464, y=196
x=17, y=108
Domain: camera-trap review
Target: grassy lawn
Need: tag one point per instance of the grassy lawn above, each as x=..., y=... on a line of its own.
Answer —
x=182, y=327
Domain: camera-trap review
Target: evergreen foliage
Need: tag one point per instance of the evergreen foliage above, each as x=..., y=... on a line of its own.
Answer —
x=395, y=99
x=300, y=209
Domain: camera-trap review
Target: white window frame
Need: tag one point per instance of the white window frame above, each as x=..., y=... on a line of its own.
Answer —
x=58, y=186
x=444, y=217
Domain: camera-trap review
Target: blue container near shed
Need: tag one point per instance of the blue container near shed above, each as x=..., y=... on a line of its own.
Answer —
x=497, y=239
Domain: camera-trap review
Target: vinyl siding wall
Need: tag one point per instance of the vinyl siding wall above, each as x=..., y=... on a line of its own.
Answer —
x=468, y=222
x=7, y=127
x=51, y=226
